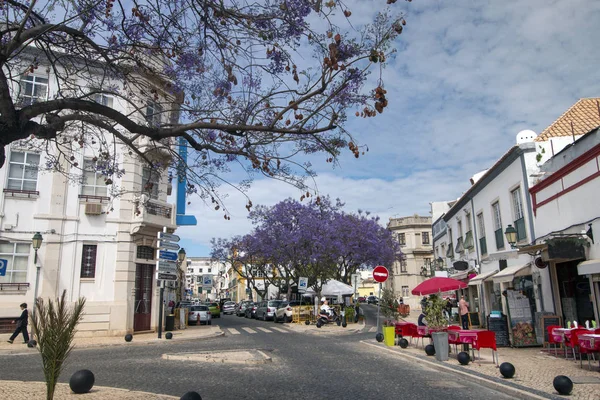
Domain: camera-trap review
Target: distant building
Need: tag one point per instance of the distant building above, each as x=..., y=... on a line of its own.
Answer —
x=414, y=236
x=205, y=279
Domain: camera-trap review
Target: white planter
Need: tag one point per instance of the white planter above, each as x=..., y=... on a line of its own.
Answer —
x=440, y=342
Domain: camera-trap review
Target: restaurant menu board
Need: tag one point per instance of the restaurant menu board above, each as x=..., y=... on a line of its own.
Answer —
x=499, y=325
x=521, y=319
x=547, y=321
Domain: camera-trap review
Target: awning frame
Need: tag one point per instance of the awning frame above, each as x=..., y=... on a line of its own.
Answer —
x=510, y=273
x=481, y=278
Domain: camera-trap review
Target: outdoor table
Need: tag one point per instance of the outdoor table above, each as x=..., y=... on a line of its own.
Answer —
x=590, y=342
x=465, y=336
x=566, y=332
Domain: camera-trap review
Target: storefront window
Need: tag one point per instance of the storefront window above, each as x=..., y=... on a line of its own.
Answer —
x=496, y=298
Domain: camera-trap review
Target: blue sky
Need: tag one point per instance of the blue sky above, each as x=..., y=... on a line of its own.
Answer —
x=468, y=76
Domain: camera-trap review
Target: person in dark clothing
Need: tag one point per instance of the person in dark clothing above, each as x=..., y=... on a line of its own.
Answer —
x=21, y=325
x=422, y=321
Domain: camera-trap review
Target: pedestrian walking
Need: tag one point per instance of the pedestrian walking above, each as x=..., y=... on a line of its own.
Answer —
x=463, y=310
x=21, y=323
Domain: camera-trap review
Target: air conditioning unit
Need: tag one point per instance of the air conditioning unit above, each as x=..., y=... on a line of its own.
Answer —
x=93, y=208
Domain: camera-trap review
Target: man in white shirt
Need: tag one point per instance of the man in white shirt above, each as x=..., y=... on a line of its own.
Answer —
x=325, y=306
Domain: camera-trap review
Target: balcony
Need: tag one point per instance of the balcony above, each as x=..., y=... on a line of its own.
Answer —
x=162, y=148
x=153, y=212
x=521, y=231
x=499, y=239
x=483, y=245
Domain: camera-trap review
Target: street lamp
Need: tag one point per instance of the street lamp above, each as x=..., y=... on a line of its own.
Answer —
x=511, y=235
x=181, y=255
x=37, y=243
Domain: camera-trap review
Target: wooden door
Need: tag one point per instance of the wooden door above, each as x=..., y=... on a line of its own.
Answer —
x=142, y=316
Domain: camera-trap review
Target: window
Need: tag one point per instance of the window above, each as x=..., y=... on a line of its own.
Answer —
x=209, y=270
x=497, y=225
x=518, y=213
x=480, y=225
x=33, y=89
x=469, y=222
x=153, y=113
x=17, y=257
x=402, y=239
x=23, y=171
x=481, y=231
x=103, y=99
x=93, y=183
x=201, y=270
x=198, y=279
x=150, y=182
x=459, y=229
x=405, y=292
x=517, y=204
x=403, y=264
x=425, y=237
x=145, y=252
x=88, y=261
x=496, y=216
x=190, y=270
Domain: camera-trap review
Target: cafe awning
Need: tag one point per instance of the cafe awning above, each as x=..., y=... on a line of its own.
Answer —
x=589, y=267
x=478, y=280
x=510, y=273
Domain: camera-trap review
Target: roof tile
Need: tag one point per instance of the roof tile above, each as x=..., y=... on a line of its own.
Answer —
x=583, y=115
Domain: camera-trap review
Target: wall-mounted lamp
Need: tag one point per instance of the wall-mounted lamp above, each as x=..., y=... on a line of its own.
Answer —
x=511, y=236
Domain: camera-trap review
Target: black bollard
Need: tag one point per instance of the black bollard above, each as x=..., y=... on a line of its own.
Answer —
x=463, y=358
x=507, y=370
x=563, y=385
x=430, y=350
x=82, y=381
x=128, y=337
x=191, y=396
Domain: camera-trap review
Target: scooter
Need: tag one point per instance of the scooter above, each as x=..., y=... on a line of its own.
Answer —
x=325, y=318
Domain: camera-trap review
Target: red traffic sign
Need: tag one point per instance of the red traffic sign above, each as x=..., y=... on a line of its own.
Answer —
x=380, y=273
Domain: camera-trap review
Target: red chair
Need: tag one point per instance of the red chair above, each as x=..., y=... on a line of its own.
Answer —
x=554, y=339
x=451, y=341
x=422, y=333
x=575, y=344
x=486, y=340
x=406, y=330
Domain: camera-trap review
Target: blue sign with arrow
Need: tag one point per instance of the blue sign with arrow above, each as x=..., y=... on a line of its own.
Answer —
x=3, y=264
x=167, y=255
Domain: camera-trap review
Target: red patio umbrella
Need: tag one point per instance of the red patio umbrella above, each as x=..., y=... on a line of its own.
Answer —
x=437, y=284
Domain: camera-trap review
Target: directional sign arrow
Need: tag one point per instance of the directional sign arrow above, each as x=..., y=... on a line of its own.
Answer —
x=168, y=245
x=169, y=236
x=167, y=255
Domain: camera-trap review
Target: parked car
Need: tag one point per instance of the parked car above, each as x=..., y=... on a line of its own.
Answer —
x=228, y=307
x=283, y=312
x=372, y=300
x=223, y=301
x=266, y=309
x=200, y=314
x=214, y=309
x=362, y=299
x=251, y=311
x=240, y=311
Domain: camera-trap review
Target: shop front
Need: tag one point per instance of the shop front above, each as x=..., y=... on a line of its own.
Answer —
x=574, y=290
x=516, y=286
x=591, y=270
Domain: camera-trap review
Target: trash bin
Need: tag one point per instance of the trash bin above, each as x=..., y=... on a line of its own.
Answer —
x=170, y=322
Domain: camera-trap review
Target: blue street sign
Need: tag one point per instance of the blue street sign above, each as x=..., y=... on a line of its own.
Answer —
x=3, y=264
x=167, y=255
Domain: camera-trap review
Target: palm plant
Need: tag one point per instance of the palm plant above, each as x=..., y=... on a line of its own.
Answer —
x=54, y=325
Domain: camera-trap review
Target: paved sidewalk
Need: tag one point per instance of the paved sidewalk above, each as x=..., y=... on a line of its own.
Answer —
x=191, y=333
x=535, y=370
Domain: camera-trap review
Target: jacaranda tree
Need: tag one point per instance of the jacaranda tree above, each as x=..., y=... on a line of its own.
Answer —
x=316, y=240
x=251, y=83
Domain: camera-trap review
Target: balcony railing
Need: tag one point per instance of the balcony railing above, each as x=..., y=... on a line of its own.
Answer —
x=499, y=238
x=483, y=245
x=157, y=209
x=520, y=227
x=153, y=212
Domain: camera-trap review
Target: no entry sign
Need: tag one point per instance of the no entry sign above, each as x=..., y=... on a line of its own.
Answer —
x=380, y=274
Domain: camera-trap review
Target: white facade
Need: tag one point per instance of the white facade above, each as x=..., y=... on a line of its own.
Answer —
x=564, y=206
x=95, y=245
x=198, y=287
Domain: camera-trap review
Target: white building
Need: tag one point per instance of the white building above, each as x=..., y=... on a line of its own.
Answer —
x=95, y=245
x=566, y=218
x=206, y=279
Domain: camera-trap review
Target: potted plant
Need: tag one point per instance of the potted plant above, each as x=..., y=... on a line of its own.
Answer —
x=389, y=307
x=437, y=323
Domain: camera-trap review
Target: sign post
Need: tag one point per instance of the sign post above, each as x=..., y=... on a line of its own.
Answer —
x=302, y=284
x=166, y=268
x=380, y=274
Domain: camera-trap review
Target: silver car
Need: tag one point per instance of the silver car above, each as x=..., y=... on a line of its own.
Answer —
x=228, y=307
x=266, y=309
x=199, y=314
